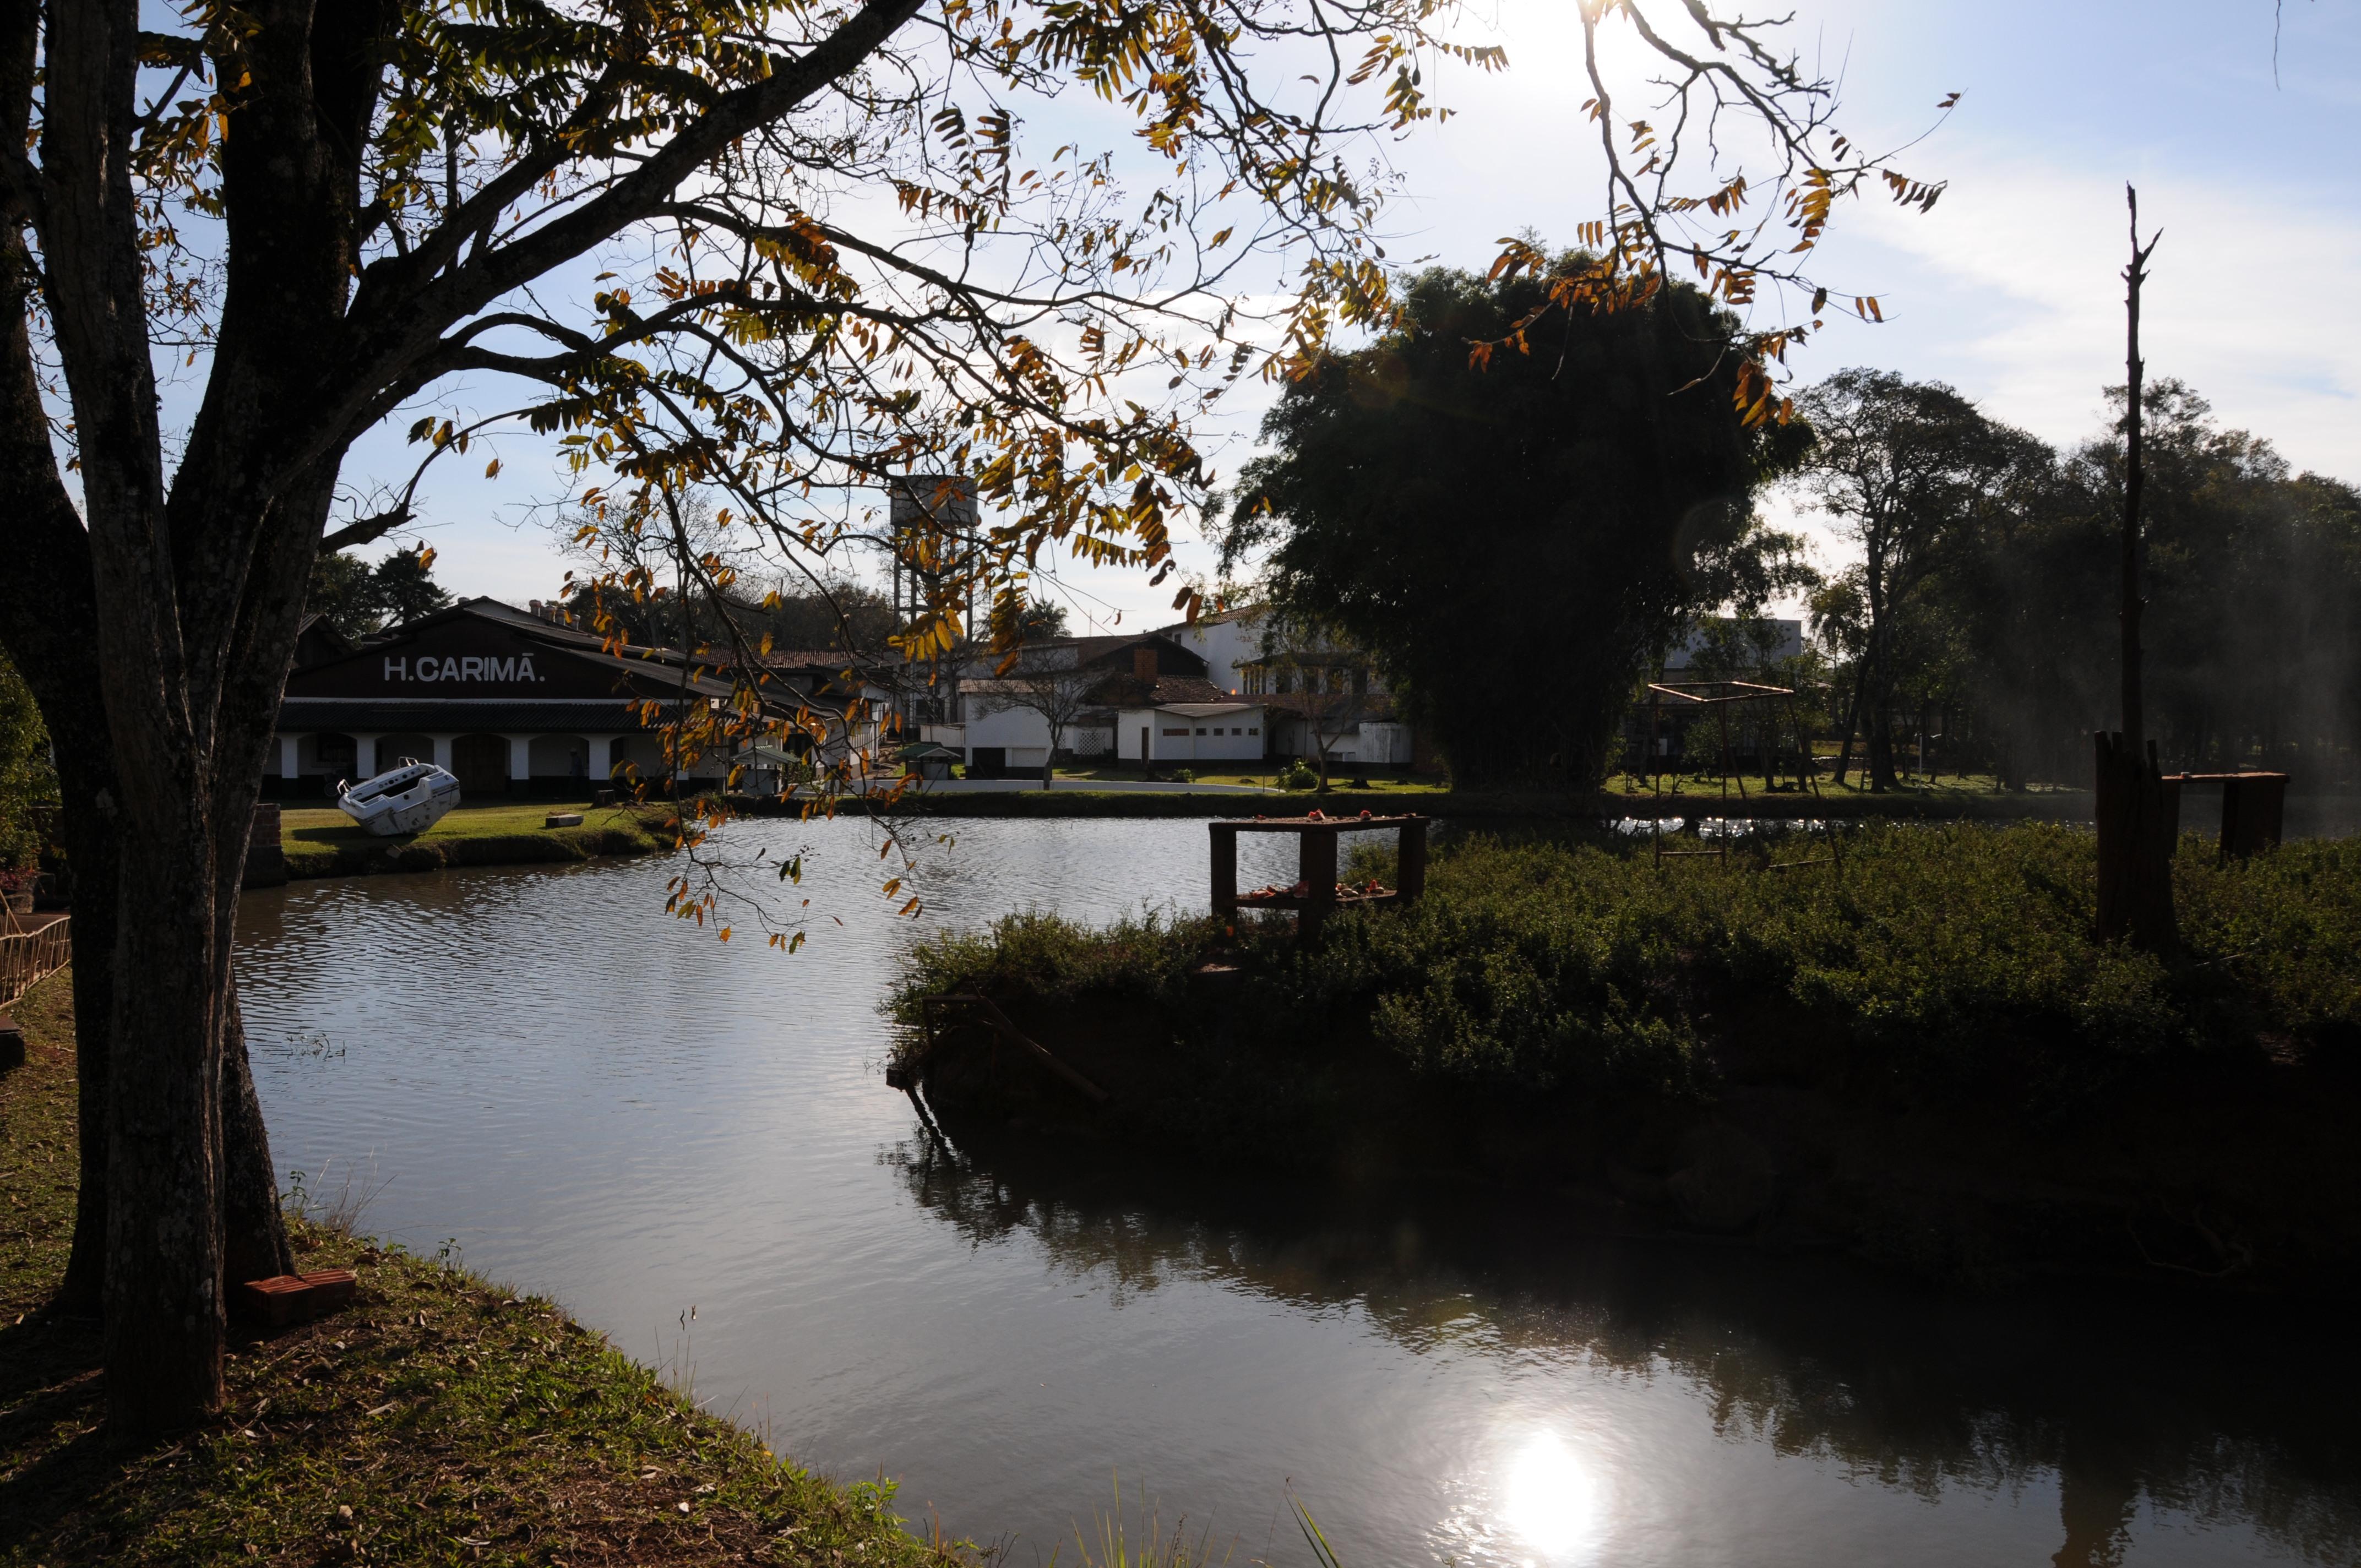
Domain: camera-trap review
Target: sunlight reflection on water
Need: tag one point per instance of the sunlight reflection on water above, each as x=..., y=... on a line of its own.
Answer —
x=1550, y=1499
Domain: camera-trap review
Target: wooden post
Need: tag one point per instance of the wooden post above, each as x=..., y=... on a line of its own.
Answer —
x=1226, y=868
x=1728, y=766
x=2254, y=809
x=1410, y=880
x=1316, y=867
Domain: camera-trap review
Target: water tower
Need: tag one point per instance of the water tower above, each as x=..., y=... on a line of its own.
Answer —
x=933, y=538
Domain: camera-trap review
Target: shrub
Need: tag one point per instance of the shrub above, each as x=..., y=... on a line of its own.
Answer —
x=1950, y=958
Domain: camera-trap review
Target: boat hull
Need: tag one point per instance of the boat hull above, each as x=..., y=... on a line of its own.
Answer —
x=405, y=800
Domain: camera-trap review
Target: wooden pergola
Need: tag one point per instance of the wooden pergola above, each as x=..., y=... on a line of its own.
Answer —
x=1721, y=696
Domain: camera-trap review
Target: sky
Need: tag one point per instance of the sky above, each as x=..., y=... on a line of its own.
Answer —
x=2009, y=291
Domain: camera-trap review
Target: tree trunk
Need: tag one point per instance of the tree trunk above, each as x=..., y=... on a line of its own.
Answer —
x=164, y=1305
x=1851, y=726
x=2135, y=832
x=254, y=1227
x=49, y=626
x=1877, y=760
x=2138, y=821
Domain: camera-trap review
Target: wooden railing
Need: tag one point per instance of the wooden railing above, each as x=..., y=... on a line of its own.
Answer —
x=26, y=958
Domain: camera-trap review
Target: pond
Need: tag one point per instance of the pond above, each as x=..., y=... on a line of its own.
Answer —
x=690, y=1143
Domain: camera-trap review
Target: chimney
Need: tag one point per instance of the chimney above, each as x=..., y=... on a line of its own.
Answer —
x=1143, y=662
x=532, y=607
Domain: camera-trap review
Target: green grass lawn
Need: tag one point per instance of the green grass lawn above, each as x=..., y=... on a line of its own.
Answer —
x=1946, y=786
x=1383, y=781
x=321, y=841
x=442, y=1419
x=326, y=825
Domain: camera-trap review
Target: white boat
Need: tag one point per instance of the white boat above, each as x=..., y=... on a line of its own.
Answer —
x=409, y=799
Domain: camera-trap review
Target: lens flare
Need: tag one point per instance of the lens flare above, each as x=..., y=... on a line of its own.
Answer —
x=1549, y=1499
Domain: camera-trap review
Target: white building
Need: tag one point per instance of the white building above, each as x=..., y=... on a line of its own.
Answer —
x=997, y=723
x=1190, y=732
x=1228, y=643
x=1018, y=736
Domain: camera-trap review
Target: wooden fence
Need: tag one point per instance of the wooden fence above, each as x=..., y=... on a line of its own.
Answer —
x=28, y=957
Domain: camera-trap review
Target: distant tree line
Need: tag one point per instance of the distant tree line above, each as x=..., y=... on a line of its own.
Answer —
x=1517, y=535
x=1984, y=603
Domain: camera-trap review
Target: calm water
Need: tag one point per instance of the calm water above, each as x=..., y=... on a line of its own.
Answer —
x=605, y=1104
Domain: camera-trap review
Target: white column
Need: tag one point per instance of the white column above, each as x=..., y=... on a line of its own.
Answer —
x=520, y=758
x=365, y=758
x=290, y=746
x=600, y=759
x=443, y=751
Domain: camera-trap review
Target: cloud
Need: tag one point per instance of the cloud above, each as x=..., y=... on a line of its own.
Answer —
x=2012, y=289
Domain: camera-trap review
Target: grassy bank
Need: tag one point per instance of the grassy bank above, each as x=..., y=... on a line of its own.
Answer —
x=1904, y=805
x=323, y=842
x=1921, y=1050
x=440, y=1420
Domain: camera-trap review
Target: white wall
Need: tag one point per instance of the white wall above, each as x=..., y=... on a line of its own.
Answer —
x=1224, y=645
x=1177, y=738
x=1384, y=745
x=1013, y=727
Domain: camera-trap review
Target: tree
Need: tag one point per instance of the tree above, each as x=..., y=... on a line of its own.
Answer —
x=1555, y=512
x=323, y=217
x=1898, y=465
x=2135, y=828
x=1048, y=681
x=2252, y=657
x=1042, y=621
x=402, y=588
x=1308, y=667
x=357, y=598
x=326, y=213
x=339, y=594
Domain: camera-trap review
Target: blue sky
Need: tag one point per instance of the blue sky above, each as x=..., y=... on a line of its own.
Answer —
x=2008, y=291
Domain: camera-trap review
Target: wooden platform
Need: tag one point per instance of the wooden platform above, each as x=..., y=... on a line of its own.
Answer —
x=1316, y=836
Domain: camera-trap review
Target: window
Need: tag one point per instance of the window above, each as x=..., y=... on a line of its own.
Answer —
x=1175, y=732
x=1254, y=729
x=1200, y=729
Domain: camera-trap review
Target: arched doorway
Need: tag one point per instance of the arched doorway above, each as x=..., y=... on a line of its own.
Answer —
x=480, y=763
x=331, y=756
x=392, y=750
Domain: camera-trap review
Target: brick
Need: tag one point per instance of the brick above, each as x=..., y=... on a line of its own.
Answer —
x=288, y=1298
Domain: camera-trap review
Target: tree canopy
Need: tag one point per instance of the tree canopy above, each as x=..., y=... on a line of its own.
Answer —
x=779, y=251
x=2000, y=592
x=357, y=598
x=1513, y=538
x=1900, y=466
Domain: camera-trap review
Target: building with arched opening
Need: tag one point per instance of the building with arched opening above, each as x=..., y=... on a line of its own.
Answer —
x=518, y=703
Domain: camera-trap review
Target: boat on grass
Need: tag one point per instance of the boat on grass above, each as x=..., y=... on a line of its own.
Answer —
x=408, y=799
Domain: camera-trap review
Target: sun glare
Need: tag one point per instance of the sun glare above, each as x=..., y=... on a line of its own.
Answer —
x=1549, y=1499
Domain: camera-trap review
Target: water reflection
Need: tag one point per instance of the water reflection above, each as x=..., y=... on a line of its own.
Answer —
x=2103, y=1430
